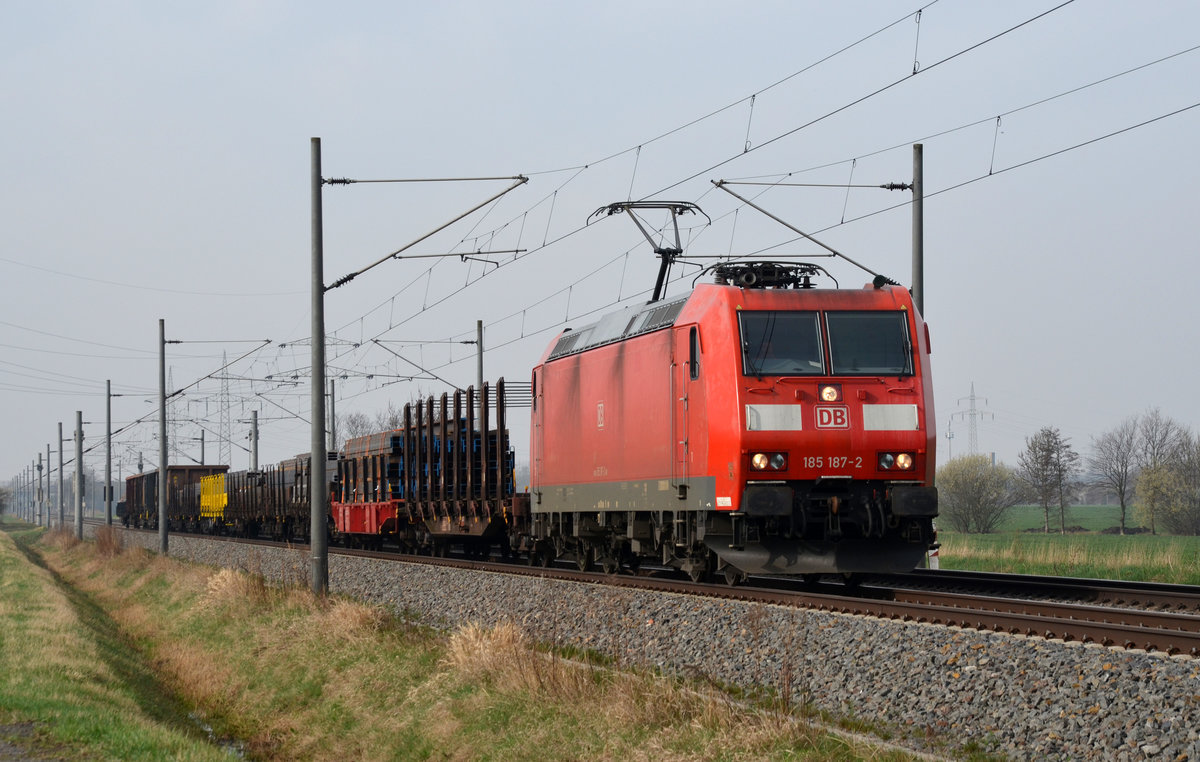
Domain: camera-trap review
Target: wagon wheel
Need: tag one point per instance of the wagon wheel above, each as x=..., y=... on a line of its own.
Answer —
x=734, y=576
x=585, y=556
x=700, y=566
x=632, y=561
x=541, y=554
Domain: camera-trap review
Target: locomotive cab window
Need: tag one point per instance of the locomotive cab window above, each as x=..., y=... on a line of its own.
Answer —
x=780, y=343
x=874, y=343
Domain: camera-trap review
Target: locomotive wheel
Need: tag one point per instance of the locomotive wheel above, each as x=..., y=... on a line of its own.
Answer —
x=609, y=565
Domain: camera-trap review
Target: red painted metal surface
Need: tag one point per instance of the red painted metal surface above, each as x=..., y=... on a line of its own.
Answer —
x=364, y=518
x=635, y=410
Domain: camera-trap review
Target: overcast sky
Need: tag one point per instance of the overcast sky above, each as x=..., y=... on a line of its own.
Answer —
x=157, y=166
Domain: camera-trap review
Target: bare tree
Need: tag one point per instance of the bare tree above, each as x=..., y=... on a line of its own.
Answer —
x=1113, y=460
x=360, y=424
x=1160, y=438
x=974, y=495
x=1048, y=466
x=353, y=425
x=387, y=420
x=1161, y=441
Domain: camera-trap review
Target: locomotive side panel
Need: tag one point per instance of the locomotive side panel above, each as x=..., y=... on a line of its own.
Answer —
x=606, y=429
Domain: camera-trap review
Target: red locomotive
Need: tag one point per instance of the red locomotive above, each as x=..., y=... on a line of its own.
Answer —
x=756, y=425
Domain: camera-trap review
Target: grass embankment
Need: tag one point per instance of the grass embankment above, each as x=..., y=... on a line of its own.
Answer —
x=1020, y=548
x=67, y=673
x=296, y=677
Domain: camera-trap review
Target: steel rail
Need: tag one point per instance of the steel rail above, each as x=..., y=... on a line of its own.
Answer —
x=1114, y=591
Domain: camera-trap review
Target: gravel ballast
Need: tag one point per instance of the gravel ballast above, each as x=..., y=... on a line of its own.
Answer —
x=932, y=687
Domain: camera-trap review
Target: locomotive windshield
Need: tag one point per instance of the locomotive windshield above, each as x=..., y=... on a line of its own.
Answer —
x=873, y=343
x=860, y=343
x=781, y=343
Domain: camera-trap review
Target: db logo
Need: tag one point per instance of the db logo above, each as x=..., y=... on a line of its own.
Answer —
x=833, y=418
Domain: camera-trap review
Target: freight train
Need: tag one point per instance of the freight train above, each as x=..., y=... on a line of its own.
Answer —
x=756, y=425
x=270, y=502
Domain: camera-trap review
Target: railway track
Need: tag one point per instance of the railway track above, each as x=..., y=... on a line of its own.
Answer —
x=1173, y=632
x=1140, y=595
x=1148, y=616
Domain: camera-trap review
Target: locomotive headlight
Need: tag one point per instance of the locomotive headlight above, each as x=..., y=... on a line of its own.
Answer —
x=900, y=461
x=830, y=392
x=763, y=461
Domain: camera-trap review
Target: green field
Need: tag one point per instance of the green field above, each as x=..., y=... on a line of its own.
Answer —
x=1092, y=518
x=1021, y=547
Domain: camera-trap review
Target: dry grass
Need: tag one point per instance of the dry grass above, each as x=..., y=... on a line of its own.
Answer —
x=311, y=619
x=62, y=538
x=302, y=677
x=109, y=542
x=620, y=705
x=229, y=588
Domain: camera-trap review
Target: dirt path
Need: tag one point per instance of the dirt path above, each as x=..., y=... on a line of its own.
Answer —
x=21, y=733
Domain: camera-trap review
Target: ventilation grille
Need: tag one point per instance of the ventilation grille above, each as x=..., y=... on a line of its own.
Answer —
x=619, y=326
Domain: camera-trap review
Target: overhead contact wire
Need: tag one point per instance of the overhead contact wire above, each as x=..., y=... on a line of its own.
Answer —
x=861, y=99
